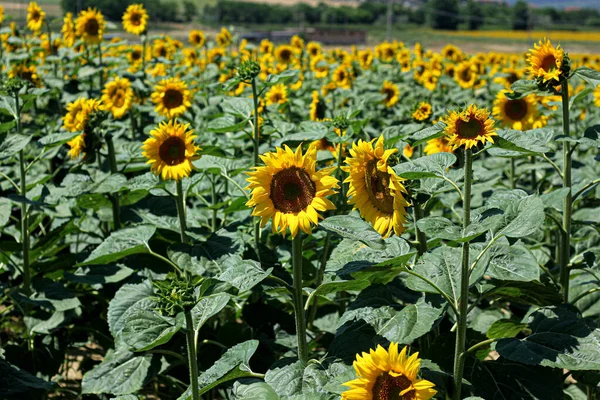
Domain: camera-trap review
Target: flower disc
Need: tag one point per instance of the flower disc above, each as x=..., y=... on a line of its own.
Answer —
x=469, y=127
x=172, y=97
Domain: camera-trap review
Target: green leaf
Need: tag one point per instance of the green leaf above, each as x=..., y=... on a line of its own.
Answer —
x=442, y=267
x=15, y=380
x=241, y=107
x=523, y=88
x=232, y=365
x=226, y=124
x=93, y=201
x=513, y=143
x=286, y=380
x=57, y=139
x=339, y=286
x=282, y=77
x=412, y=322
x=122, y=372
x=8, y=103
x=424, y=135
x=255, y=391
x=146, y=329
x=121, y=244
x=127, y=297
x=242, y=274
x=443, y=228
x=582, y=282
x=12, y=143
x=355, y=228
x=526, y=293
x=592, y=77
x=522, y=218
x=505, y=328
x=432, y=166
x=208, y=307
x=5, y=211
x=512, y=263
x=111, y=184
x=560, y=339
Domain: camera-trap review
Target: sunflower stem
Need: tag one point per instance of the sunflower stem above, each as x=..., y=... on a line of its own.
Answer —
x=181, y=212
x=101, y=66
x=116, y=208
x=421, y=238
x=533, y=174
x=255, y=141
x=298, y=301
x=513, y=183
x=213, y=194
x=568, y=204
x=312, y=313
x=191, y=353
x=461, y=332
x=24, y=210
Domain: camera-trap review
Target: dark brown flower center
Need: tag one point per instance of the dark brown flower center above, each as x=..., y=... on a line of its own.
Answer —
x=285, y=55
x=173, y=98
x=378, y=188
x=516, y=109
x=320, y=110
x=136, y=55
x=466, y=74
x=135, y=19
x=389, y=93
x=549, y=63
x=512, y=78
x=92, y=27
x=292, y=190
x=388, y=387
x=118, y=98
x=35, y=15
x=469, y=129
x=172, y=151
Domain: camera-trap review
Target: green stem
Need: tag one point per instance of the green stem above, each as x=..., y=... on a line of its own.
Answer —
x=191, y=352
x=568, y=204
x=256, y=143
x=312, y=312
x=461, y=332
x=213, y=194
x=421, y=238
x=24, y=210
x=101, y=66
x=298, y=301
x=533, y=174
x=513, y=183
x=582, y=295
x=116, y=208
x=181, y=211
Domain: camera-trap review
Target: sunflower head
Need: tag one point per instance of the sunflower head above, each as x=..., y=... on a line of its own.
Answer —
x=422, y=112
x=466, y=74
x=289, y=191
x=547, y=63
x=521, y=114
x=224, y=38
x=170, y=150
x=35, y=17
x=172, y=97
x=391, y=93
x=317, y=107
x=90, y=26
x=1, y=14
x=297, y=42
x=197, y=38
x=135, y=19
x=437, y=145
x=469, y=127
x=78, y=113
x=388, y=375
x=285, y=54
x=27, y=73
x=68, y=30
x=278, y=94
x=117, y=97
x=313, y=49
x=77, y=146
x=375, y=189
x=341, y=77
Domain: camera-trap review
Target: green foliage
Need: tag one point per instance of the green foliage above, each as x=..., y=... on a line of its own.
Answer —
x=443, y=14
x=521, y=16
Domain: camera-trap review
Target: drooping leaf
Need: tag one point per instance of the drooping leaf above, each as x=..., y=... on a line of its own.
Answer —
x=512, y=263
x=432, y=166
x=242, y=274
x=145, y=329
x=121, y=244
x=355, y=228
x=442, y=267
x=12, y=143
x=254, y=391
x=505, y=328
x=14, y=380
x=207, y=307
x=286, y=380
x=127, y=297
x=412, y=322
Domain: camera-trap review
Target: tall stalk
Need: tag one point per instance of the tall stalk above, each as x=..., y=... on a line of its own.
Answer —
x=101, y=66
x=112, y=158
x=298, y=299
x=181, y=212
x=213, y=193
x=24, y=209
x=568, y=203
x=191, y=353
x=255, y=141
x=421, y=238
x=461, y=332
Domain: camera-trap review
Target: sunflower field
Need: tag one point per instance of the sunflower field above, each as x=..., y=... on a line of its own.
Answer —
x=220, y=219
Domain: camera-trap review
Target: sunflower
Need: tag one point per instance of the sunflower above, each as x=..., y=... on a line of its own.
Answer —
x=276, y=95
x=117, y=97
x=437, y=145
x=197, y=38
x=385, y=51
x=1, y=14
x=77, y=146
x=317, y=107
x=319, y=66
x=90, y=25
x=68, y=30
x=452, y=52
x=170, y=150
x=597, y=96
x=365, y=58
x=135, y=19
x=223, y=38
x=161, y=48
x=469, y=127
x=289, y=190
x=545, y=62
x=78, y=113
x=391, y=93
x=521, y=114
x=466, y=75
x=284, y=54
x=429, y=80
x=172, y=97
x=423, y=112
x=375, y=189
x=508, y=77
x=341, y=77
x=266, y=46
x=313, y=49
x=25, y=72
x=297, y=42
x=408, y=151
x=388, y=375
x=35, y=17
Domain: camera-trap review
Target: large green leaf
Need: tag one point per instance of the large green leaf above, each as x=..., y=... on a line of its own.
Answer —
x=255, y=391
x=581, y=283
x=146, y=329
x=286, y=380
x=15, y=380
x=127, y=297
x=513, y=143
x=560, y=339
x=12, y=143
x=412, y=322
x=121, y=372
x=208, y=307
x=505, y=328
x=242, y=274
x=442, y=267
x=512, y=263
x=233, y=364
x=351, y=227
x=121, y=244
x=432, y=166
x=589, y=75
x=240, y=107
x=525, y=293
x=522, y=217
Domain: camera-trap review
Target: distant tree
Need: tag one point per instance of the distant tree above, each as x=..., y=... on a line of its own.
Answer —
x=443, y=14
x=475, y=15
x=190, y=10
x=520, y=16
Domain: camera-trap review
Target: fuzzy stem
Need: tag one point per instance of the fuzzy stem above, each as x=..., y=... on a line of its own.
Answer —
x=101, y=66
x=298, y=301
x=421, y=238
x=513, y=183
x=312, y=313
x=116, y=208
x=213, y=194
x=191, y=353
x=461, y=332
x=181, y=212
x=24, y=210
x=256, y=142
x=568, y=204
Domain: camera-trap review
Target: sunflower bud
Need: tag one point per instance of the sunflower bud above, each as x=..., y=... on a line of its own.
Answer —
x=248, y=70
x=341, y=122
x=12, y=86
x=173, y=295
